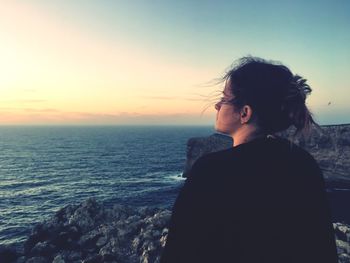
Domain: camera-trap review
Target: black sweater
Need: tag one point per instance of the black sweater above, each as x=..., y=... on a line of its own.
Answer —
x=259, y=202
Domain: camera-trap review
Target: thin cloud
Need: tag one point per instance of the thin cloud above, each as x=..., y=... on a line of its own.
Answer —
x=42, y=110
x=7, y=109
x=24, y=101
x=29, y=90
x=32, y=101
x=171, y=98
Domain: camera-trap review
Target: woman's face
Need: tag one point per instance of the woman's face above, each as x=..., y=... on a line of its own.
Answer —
x=227, y=119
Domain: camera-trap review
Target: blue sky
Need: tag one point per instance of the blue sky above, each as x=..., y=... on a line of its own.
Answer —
x=169, y=49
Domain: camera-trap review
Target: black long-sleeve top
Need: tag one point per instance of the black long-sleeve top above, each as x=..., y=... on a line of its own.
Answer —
x=263, y=201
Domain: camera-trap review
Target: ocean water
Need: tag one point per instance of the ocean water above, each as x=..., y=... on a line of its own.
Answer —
x=45, y=168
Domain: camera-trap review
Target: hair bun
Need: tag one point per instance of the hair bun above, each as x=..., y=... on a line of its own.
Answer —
x=298, y=89
x=293, y=105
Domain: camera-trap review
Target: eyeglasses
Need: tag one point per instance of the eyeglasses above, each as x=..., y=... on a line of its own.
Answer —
x=225, y=100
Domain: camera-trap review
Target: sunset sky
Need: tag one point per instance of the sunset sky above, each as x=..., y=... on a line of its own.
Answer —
x=151, y=62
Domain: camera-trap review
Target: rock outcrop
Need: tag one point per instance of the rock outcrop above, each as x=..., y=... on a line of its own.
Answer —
x=329, y=145
x=198, y=146
x=92, y=233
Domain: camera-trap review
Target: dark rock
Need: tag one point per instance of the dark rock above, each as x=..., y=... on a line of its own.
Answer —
x=8, y=254
x=89, y=239
x=108, y=257
x=118, y=212
x=342, y=231
x=21, y=259
x=160, y=219
x=58, y=259
x=63, y=240
x=111, y=248
x=94, y=259
x=196, y=147
x=37, y=235
x=44, y=249
x=69, y=255
x=101, y=241
x=145, y=211
x=74, y=255
x=87, y=215
x=344, y=258
x=38, y=260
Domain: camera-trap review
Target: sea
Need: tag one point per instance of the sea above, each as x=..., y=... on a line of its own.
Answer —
x=44, y=168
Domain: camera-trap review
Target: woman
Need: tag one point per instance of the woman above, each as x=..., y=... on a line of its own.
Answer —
x=264, y=199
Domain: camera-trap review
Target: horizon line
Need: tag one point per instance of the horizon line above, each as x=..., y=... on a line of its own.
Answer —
x=132, y=125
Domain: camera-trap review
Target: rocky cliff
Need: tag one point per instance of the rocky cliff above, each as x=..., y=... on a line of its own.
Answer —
x=92, y=233
x=329, y=145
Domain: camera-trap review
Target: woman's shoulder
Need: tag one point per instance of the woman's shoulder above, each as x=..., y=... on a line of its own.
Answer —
x=215, y=158
x=296, y=151
x=277, y=152
x=298, y=161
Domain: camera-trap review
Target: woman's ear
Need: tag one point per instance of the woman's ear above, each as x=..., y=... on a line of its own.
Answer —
x=246, y=114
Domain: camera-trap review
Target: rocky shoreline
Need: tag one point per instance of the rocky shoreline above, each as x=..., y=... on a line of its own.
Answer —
x=92, y=233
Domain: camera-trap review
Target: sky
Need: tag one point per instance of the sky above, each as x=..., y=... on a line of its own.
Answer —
x=154, y=62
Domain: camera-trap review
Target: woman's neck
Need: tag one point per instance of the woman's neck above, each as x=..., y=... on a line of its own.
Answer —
x=247, y=134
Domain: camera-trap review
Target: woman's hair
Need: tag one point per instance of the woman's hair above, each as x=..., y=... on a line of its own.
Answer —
x=276, y=95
